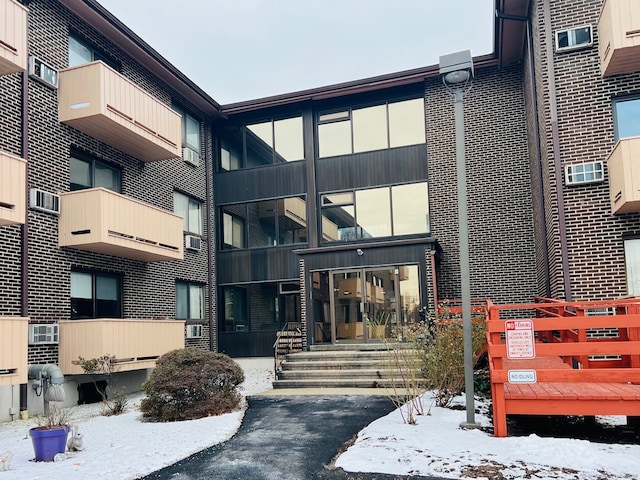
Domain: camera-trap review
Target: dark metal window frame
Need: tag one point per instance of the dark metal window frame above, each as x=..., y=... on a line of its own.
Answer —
x=96, y=53
x=94, y=275
x=189, y=284
x=92, y=161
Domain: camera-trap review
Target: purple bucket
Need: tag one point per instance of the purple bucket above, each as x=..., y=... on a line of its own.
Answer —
x=48, y=442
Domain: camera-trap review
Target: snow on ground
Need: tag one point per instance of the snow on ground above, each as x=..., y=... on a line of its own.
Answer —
x=123, y=447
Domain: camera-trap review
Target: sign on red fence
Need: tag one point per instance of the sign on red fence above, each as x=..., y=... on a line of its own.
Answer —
x=520, y=339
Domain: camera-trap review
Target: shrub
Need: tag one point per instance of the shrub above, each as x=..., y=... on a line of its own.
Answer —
x=191, y=383
x=106, y=366
x=444, y=352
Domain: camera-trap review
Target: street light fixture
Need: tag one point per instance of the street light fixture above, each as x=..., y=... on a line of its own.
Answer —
x=457, y=73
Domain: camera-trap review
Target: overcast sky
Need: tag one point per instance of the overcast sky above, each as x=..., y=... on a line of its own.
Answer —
x=239, y=50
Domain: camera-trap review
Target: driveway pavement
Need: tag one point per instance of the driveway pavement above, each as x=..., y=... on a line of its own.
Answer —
x=287, y=438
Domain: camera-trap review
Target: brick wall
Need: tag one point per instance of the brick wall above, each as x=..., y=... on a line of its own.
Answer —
x=501, y=233
x=148, y=288
x=585, y=131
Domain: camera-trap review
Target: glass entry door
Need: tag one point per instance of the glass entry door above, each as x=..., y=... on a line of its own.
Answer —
x=364, y=304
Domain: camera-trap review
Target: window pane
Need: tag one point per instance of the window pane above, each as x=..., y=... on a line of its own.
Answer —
x=195, y=216
x=107, y=297
x=627, y=118
x=196, y=302
x=81, y=285
x=263, y=305
x=192, y=128
x=289, y=140
x=181, y=207
x=373, y=213
x=231, y=149
x=235, y=310
x=337, y=198
x=80, y=174
x=182, y=300
x=410, y=209
x=233, y=226
x=106, y=177
x=262, y=224
x=259, y=144
x=334, y=139
x=292, y=222
x=370, y=128
x=338, y=223
x=238, y=233
x=406, y=123
x=632, y=262
x=79, y=53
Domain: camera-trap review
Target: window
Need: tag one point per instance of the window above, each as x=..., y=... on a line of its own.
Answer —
x=81, y=52
x=375, y=212
x=266, y=223
x=262, y=143
x=233, y=317
x=95, y=295
x=190, y=210
x=189, y=301
x=232, y=230
x=90, y=173
x=377, y=127
x=190, y=131
x=626, y=114
x=632, y=264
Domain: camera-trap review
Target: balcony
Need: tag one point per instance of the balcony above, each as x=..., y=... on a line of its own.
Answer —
x=13, y=186
x=100, y=102
x=99, y=220
x=619, y=37
x=13, y=350
x=136, y=344
x=623, y=165
x=13, y=37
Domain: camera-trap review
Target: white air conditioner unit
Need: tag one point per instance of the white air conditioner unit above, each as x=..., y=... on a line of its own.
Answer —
x=191, y=156
x=43, y=334
x=44, y=201
x=191, y=242
x=43, y=72
x=584, y=173
x=574, y=38
x=194, y=331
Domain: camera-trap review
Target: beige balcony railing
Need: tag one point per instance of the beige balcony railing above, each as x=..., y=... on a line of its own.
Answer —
x=103, y=221
x=13, y=37
x=100, y=102
x=136, y=344
x=12, y=189
x=13, y=350
x=624, y=176
x=619, y=37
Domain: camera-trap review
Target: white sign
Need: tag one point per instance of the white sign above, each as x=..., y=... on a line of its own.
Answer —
x=522, y=376
x=520, y=339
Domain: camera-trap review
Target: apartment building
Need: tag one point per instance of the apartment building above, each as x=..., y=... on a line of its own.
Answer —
x=137, y=215
x=104, y=151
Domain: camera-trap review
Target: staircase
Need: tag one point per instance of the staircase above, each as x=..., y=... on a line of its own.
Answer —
x=341, y=366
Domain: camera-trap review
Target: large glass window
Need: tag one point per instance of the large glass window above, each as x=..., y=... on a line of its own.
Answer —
x=190, y=131
x=262, y=143
x=95, y=295
x=81, y=52
x=90, y=173
x=632, y=264
x=189, y=301
x=375, y=212
x=364, y=129
x=627, y=118
x=233, y=315
x=190, y=210
x=266, y=223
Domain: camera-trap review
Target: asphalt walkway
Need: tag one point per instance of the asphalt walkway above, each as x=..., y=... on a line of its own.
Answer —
x=287, y=438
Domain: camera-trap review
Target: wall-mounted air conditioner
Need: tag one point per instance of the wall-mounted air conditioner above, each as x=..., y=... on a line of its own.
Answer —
x=574, y=38
x=44, y=201
x=43, y=334
x=584, y=173
x=194, y=331
x=191, y=156
x=191, y=242
x=43, y=72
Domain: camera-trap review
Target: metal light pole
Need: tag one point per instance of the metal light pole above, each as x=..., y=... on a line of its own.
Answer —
x=457, y=72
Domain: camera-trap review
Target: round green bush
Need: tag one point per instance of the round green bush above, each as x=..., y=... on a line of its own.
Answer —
x=191, y=383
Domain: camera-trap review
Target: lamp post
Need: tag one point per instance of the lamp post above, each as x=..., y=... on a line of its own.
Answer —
x=457, y=72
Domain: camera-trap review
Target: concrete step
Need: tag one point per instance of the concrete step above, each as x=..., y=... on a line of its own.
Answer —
x=339, y=374
x=335, y=364
x=336, y=356
x=335, y=383
x=359, y=347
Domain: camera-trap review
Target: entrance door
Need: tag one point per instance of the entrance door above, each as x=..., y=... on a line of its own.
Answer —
x=364, y=304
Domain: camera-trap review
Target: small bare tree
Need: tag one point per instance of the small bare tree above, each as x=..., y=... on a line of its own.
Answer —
x=106, y=366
